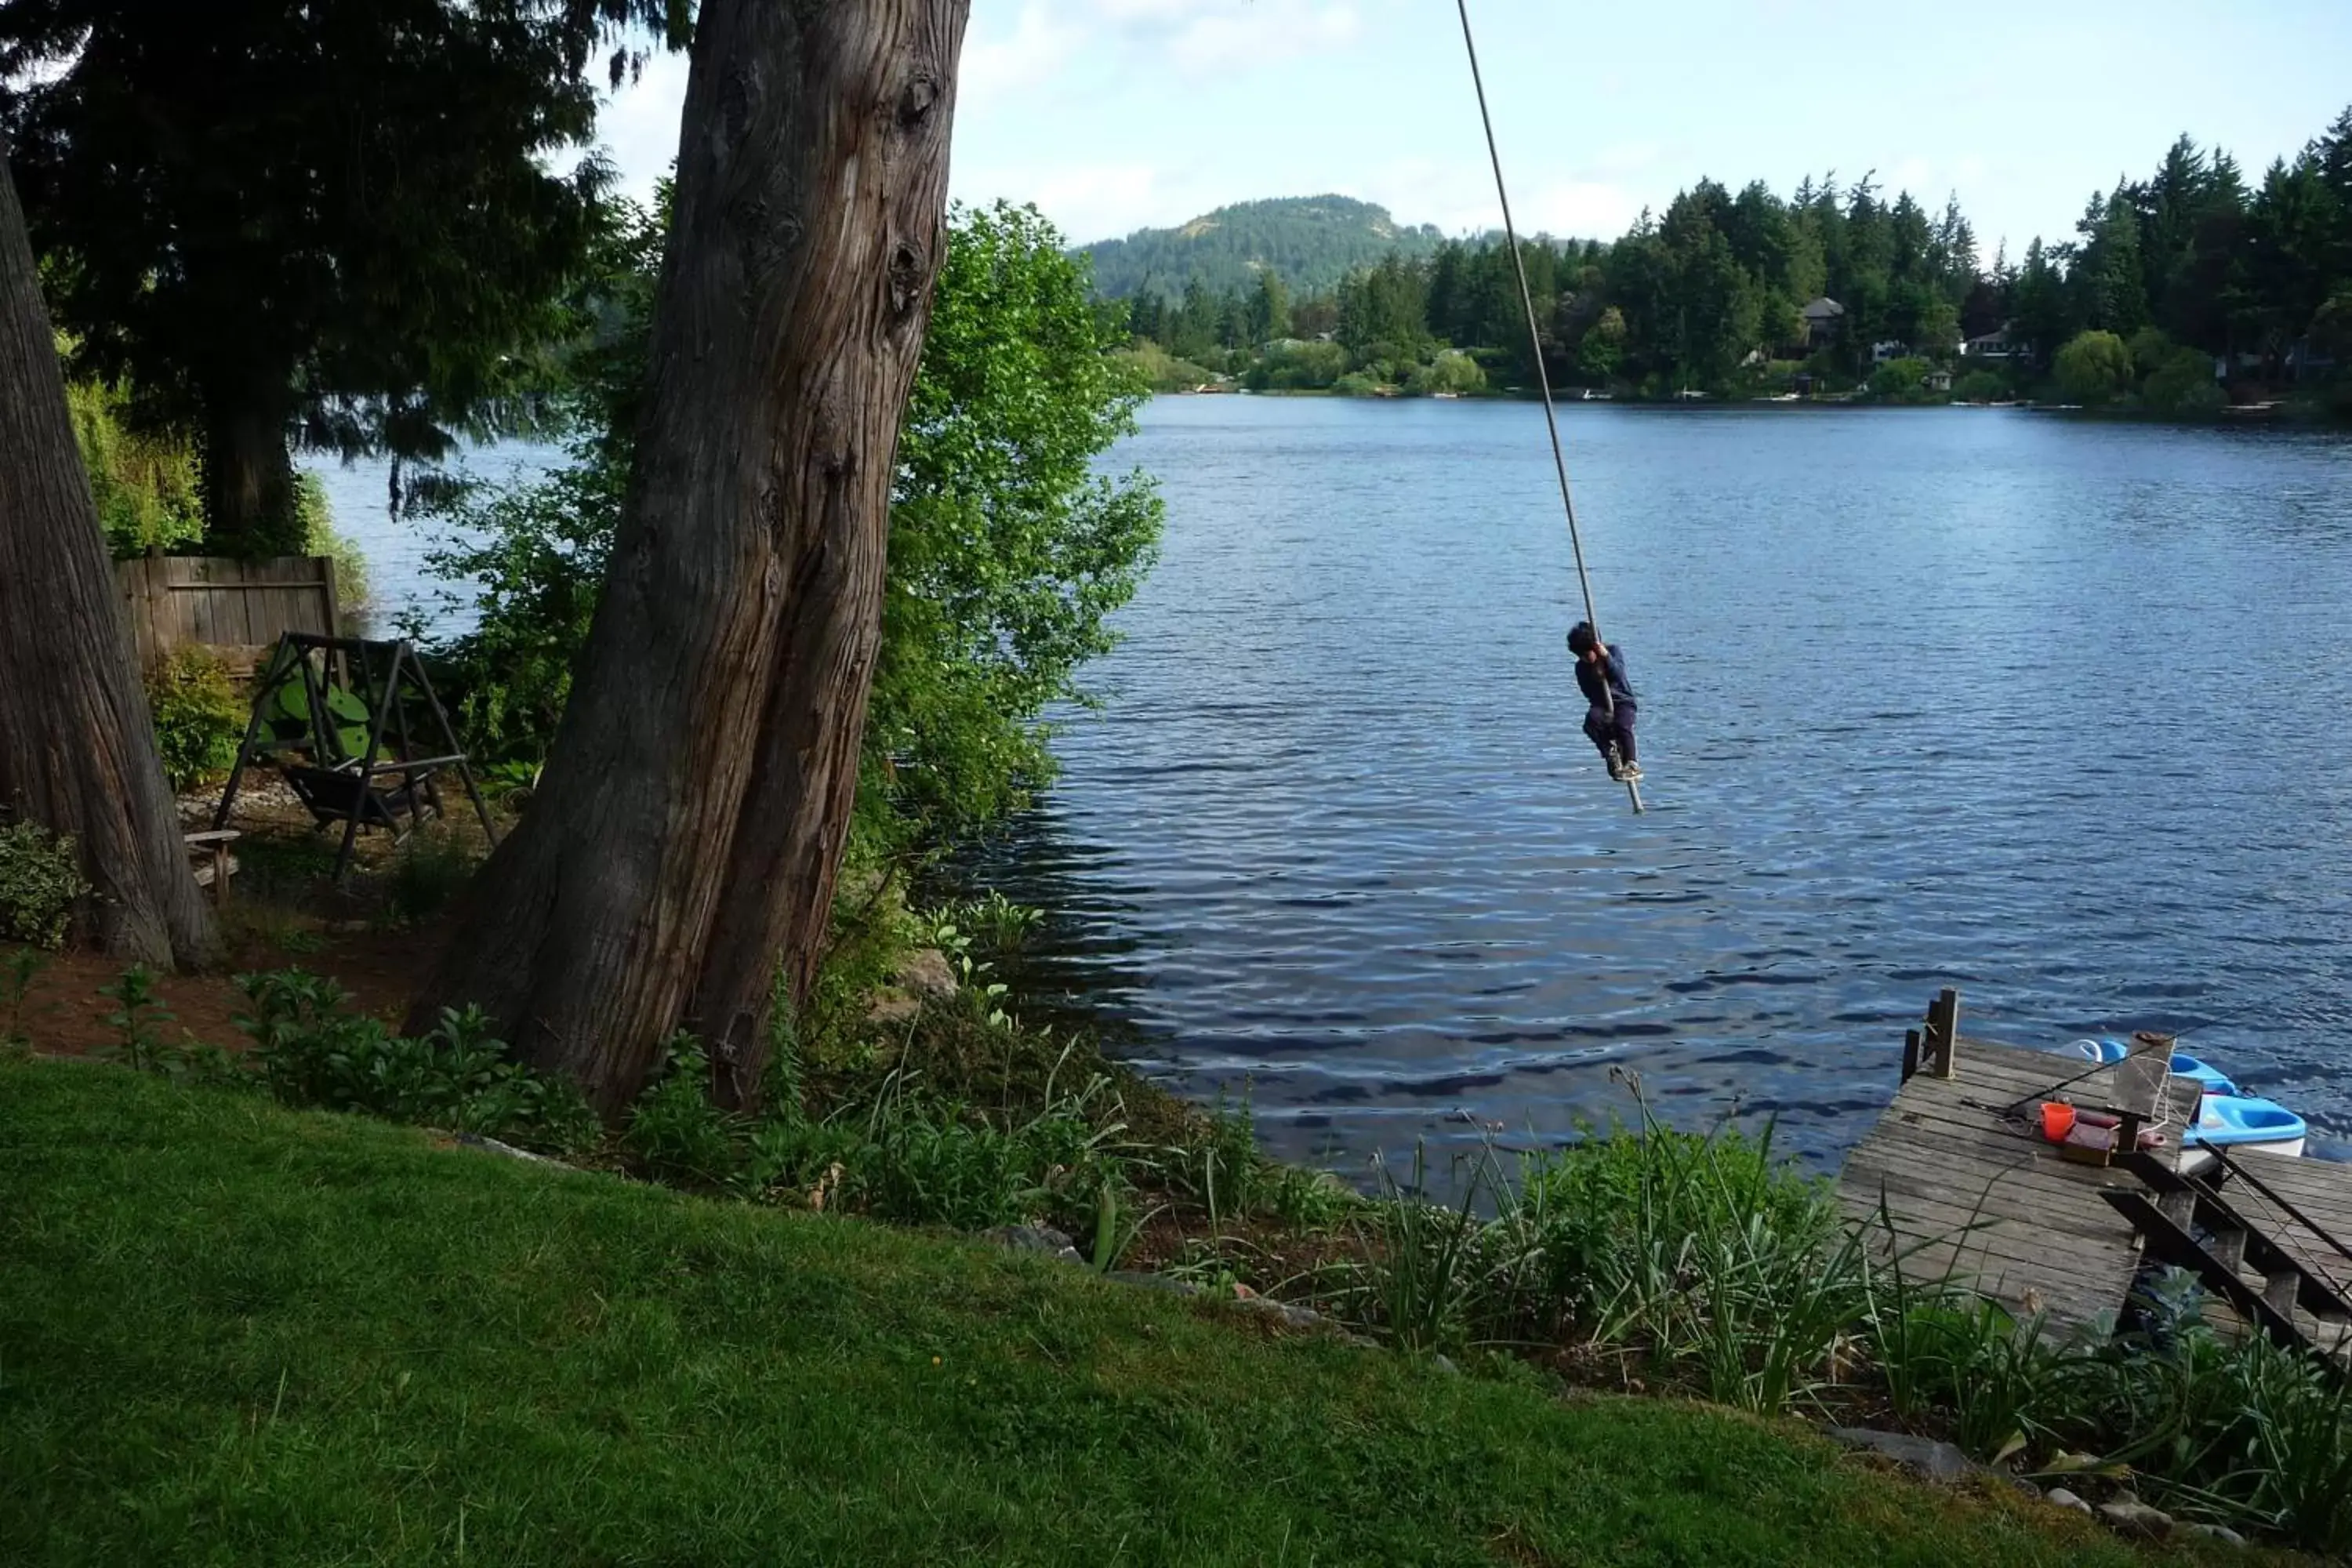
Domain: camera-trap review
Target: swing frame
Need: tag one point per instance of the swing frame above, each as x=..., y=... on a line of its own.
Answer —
x=340, y=788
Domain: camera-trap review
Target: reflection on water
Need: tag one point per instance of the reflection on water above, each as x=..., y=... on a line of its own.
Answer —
x=2049, y=710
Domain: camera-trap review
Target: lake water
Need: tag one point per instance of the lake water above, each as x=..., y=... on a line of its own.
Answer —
x=2053, y=711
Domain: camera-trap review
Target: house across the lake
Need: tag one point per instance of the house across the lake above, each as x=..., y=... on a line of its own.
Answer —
x=1822, y=318
x=1996, y=344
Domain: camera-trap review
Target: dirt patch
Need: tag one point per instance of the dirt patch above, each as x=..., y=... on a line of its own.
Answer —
x=65, y=1014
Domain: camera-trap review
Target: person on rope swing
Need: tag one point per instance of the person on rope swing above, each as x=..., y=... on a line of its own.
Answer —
x=1609, y=722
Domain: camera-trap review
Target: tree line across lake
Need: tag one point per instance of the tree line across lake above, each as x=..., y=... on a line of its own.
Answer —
x=2177, y=293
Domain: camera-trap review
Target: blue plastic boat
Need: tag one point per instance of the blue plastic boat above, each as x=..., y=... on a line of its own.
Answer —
x=2212, y=1080
x=2242, y=1122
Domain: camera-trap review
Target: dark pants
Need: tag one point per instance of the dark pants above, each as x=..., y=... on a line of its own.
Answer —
x=1604, y=731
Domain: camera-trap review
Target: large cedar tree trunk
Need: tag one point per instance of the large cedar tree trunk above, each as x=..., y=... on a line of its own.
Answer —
x=76, y=747
x=690, y=823
x=248, y=478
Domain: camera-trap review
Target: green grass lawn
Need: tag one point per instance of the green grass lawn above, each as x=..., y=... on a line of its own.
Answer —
x=234, y=1334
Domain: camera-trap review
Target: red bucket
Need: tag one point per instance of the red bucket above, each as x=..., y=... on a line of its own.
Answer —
x=2057, y=1120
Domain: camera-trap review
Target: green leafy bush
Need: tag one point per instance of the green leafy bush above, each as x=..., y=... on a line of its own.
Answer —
x=2094, y=368
x=1298, y=367
x=145, y=482
x=1450, y=370
x=40, y=883
x=311, y=1052
x=674, y=1129
x=199, y=717
x=1980, y=387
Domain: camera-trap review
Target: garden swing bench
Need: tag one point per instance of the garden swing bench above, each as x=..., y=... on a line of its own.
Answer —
x=333, y=715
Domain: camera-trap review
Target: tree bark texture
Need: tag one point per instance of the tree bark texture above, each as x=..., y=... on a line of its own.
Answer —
x=248, y=479
x=76, y=747
x=690, y=823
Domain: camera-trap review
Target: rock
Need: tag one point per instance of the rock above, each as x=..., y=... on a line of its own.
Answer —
x=1039, y=1238
x=2133, y=1517
x=1290, y=1315
x=925, y=973
x=2065, y=1498
x=892, y=1006
x=2220, y=1532
x=492, y=1145
x=1445, y=1363
x=1937, y=1461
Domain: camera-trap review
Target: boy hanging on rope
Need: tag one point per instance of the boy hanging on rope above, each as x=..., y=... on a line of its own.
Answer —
x=1609, y=722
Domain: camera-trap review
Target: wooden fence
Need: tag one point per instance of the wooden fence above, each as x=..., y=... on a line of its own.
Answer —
x=237, y=608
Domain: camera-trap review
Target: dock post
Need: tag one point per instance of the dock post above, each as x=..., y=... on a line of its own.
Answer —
x=1938, y=1046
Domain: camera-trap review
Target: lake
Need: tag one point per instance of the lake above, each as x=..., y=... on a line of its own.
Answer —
x=2050, y=710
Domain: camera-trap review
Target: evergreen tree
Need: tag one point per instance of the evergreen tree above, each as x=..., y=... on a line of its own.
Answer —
x=335, y=217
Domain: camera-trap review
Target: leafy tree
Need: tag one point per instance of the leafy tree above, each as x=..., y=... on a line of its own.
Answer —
x=1007, y=550
x=2094, y=368
x=325, y=216
x=1452, y=371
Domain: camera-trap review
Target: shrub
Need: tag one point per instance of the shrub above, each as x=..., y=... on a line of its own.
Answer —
x=1450, y=371
x=1900, y=381
x=1298, y=367
x=2180, y=385
x=1980, y=387
x=199, y=717
x=310, y=1052
x=675, y=1131
x=2094, y=368
x=40, y=883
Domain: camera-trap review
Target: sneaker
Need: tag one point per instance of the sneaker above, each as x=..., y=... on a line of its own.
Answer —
x=1630, y=774
x=1616, y=771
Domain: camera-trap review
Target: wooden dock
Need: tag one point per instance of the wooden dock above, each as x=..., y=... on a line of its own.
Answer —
x=1958, y=1167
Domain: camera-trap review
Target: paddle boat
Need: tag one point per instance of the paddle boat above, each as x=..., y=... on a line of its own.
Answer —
x=2225, y=1118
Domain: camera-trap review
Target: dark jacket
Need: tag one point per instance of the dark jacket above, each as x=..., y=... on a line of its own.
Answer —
x=1588, y=680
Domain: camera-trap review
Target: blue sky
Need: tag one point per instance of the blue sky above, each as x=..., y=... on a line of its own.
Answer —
x=1113, y=114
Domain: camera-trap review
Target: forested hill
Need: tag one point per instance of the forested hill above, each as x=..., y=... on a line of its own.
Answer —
x=1312, y=241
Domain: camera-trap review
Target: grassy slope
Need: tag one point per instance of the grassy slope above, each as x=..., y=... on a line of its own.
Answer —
x=229, y=1333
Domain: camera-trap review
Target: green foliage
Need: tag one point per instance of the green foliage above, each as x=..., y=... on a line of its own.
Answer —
x=1311, y=241
x=245, y=1335
x=310, y=1051
x=40, y=883
x=1691, y=298
x=18, y=970
x=379, y=260
x=199, y=717
x=1007, y=550
x=1294, y=366
x=144, y=483
x=2094, y=367
x=315, y=524
x=1902, y=381
x=1155, y=368
x=1980, y=387
x=137, y=1013
x=1452, y=371
x=675, y=1131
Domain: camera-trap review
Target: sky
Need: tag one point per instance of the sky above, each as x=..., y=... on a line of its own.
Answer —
x=1111, y=115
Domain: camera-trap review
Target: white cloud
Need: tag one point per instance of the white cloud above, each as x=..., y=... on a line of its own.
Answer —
x=1459, y=198
x=1038, y=47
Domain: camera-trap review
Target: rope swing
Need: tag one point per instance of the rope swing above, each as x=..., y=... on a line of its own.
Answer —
x=1543, y=375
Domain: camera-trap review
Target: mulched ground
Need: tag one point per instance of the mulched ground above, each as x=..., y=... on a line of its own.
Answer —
x=282, y=914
